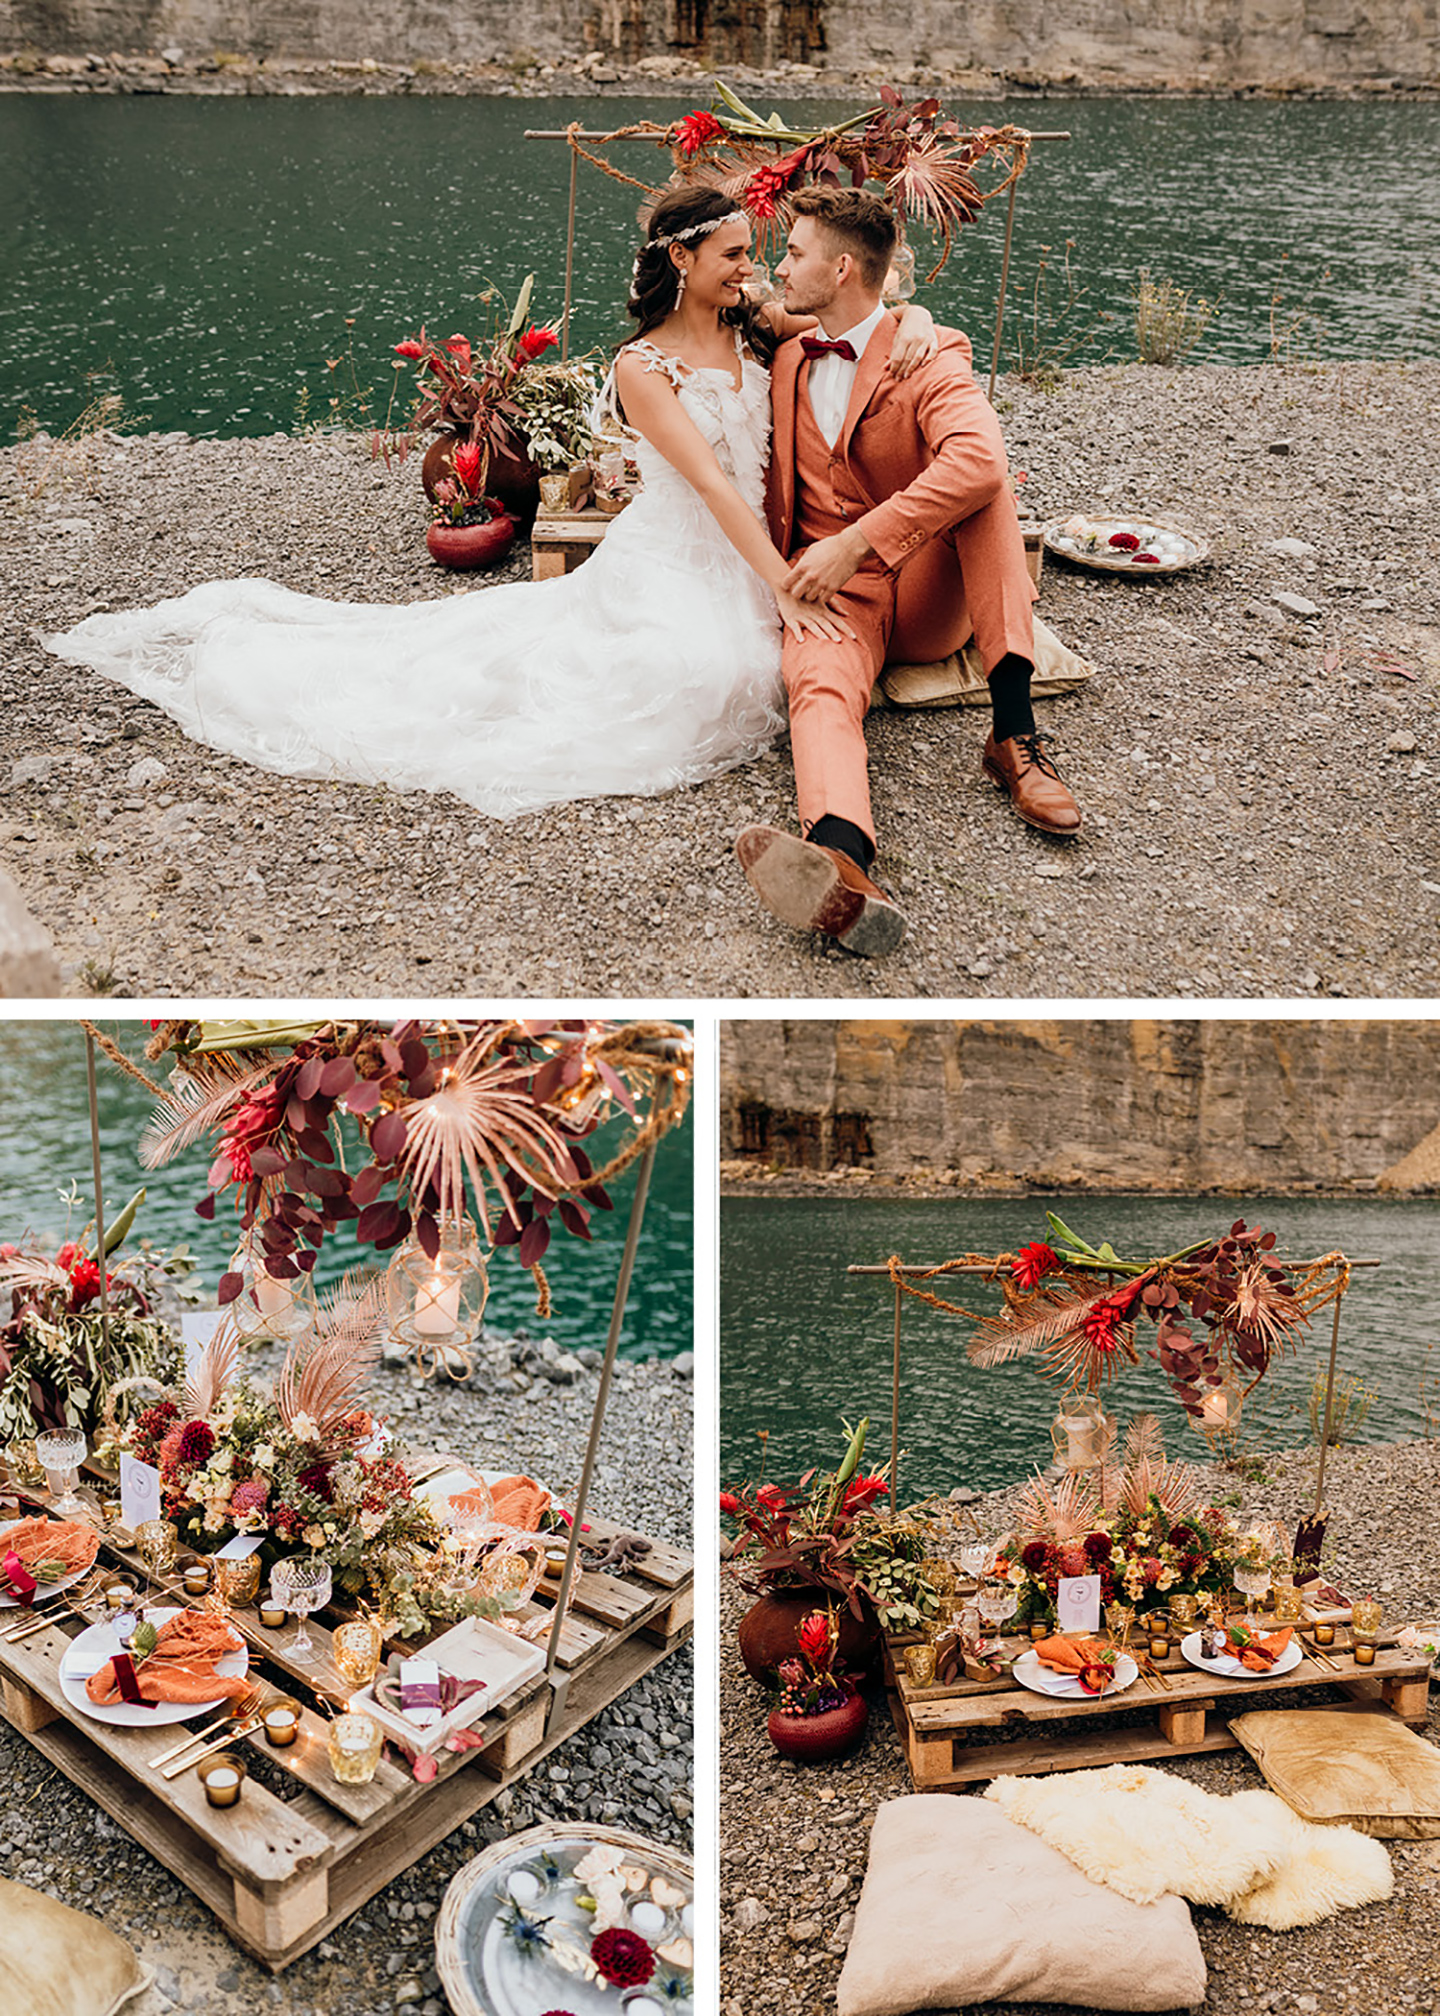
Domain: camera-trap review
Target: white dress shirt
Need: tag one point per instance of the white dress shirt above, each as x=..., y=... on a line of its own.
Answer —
x=831, y=378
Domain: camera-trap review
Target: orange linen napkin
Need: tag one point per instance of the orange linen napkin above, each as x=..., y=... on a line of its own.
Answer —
x=519, y=1502
x=182, y=1666
x=1261, y=1653
x=1067, y=1655
x=64, y=1540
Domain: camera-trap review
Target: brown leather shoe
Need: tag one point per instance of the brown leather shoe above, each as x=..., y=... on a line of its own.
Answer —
x=818, y=889
x=1021, y=766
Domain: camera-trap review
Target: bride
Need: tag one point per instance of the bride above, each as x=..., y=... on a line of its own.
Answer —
x=655, y=664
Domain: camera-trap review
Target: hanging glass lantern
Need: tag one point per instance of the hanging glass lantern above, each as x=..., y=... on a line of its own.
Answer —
x=1220, y=1407
x=1082, y=1432
x=435, y=1305
x=266, y=1307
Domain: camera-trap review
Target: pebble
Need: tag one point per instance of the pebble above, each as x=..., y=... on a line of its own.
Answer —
x=1298, y=605
x=361, y=919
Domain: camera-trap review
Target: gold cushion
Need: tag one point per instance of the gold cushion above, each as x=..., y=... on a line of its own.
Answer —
x=59, y=1962
x=1348, y=1767
x=959, y=680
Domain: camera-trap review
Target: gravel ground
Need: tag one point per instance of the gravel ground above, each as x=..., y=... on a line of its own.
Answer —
x=631, y=1767
x=794, y=1838
x=1259, y=788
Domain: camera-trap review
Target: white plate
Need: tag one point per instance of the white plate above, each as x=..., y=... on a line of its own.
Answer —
x=43, y=1590
x=94, y=1646
x=1040, y=1680
x=1231, y=1669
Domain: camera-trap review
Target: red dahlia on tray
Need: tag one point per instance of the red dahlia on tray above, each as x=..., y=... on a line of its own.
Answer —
x=624, y=1958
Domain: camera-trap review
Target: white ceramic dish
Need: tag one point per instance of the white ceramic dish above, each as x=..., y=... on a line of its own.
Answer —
x=1177, y=547
x=1231, y=1669
x=44, y=1590
x=1065, y=1686
x=93, y=1647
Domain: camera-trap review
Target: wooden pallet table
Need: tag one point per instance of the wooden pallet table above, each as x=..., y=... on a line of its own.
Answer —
x=280, y=1873
x=1037, y=1732
x=558, y=544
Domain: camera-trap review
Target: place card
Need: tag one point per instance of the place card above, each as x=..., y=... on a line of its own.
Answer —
x=139, y=1491
x=420, y=1692
x=1077, y=1603
x=240, y=1548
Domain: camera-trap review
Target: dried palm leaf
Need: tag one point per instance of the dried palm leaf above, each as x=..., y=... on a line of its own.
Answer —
x=1265, y=1307
x=324, y=1374
x=204, y=1387
x=939, y=190
x=480, y=1122
x=1066, y=1511
x=1174, y=1484
x=32, y=1275
x=1144, y=1440
x=1027, y=1326
x=200, y=1103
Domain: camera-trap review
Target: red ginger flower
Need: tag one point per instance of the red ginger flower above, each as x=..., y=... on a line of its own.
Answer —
x=459, y=348
x=85, y=1283
x=730, y=1503
x=1033, y=1262
x=623, y=1957
x=813, y=1637
x=412, y=346
x=468, y=460
x=864, y=1491
x=697, y=130
x=537, y=339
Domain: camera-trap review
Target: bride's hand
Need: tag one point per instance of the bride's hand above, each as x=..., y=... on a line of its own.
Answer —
x=916, y=341
x=812, y=619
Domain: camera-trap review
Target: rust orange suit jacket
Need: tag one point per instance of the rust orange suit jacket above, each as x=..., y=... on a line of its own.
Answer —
x=924, y=453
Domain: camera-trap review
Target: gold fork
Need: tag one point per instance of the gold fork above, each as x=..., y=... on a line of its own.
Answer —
x=243, y=1728
x=40, y=1618
x=236, y=1712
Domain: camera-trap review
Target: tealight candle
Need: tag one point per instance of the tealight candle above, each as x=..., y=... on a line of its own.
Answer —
x=1039, y=1633
x=523, y=1885
x=282, y=1725
x=119, y=1594
x=272, y=1616
x=197, y=1579
x=1159, y=1646
x=647, y=1919
x=222, y=1778
x=1364, y=1652
x=1324, y=1633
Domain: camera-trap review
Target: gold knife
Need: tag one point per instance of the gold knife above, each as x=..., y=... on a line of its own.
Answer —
x=245, y=1728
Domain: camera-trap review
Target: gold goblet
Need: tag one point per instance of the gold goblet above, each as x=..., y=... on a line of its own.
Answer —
x=156, y=1540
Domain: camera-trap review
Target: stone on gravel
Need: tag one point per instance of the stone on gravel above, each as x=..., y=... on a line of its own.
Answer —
x=1298, y=605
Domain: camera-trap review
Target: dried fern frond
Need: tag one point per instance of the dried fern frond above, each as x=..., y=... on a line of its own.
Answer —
x=1065, y=1511
x=324, y=1374
x=204, y=1387
x=479, y=1122
x=199, y=1103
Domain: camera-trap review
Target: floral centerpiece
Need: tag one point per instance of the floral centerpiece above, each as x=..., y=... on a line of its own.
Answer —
x=555, y=403
x=818, y=1711
x=802, y=1536
x=60, y=1365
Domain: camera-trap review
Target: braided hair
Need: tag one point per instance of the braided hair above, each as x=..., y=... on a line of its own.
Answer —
x=654, y=285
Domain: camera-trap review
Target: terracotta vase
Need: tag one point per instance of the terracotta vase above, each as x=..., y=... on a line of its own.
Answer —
x=471, y=545
x=810, y=1739
x=767, y=1632
x=512, y=476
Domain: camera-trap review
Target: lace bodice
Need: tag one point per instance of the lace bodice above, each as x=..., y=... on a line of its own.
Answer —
x=734, y=420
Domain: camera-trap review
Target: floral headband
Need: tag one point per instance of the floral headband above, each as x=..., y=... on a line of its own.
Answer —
x=702, y=230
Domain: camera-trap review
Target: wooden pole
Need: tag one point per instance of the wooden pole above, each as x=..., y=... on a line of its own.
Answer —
x=602, y=1396
x=1004, y=280
x=569, y=259
x=1329, y=1404
x=895, y=1410
x=99, y=1194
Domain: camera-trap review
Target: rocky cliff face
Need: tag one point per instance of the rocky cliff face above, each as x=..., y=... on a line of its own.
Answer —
x=1115, y=43
x=1166, y=1106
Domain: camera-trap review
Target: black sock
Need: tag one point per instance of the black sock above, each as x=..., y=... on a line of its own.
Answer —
x=1010, y=697
x=845, y=838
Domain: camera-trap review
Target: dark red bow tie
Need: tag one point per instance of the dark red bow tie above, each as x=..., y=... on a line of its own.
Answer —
x=817, y=346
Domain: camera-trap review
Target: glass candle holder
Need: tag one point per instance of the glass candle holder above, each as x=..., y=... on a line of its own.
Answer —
x=1289, y=1601
x=61, y=1453
x=196, y=1577
x=1039, y=1631
x=354, y=1744
x=355, y=1648
x=266, y=1307
x=435, y=1304
x=281, y=1722
x=554, y=492
x=1365, y=1615
x=119, y=1595
x=156, y=1538
x=1364, y=1651
x=237, y=1581
x=272, y=1615
x=1324, y=1633
x=920, y=1665
x=222, y=1776
x=1184, y=1614
x=24, y=1466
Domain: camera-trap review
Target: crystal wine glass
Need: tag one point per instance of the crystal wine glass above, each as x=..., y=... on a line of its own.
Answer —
x=62, y=1452
x=995, y=1600
x=302, y=1586
x=1252, y=1581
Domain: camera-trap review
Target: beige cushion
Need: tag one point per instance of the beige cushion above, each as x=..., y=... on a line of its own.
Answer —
x=961, y=1906
x=59, y=1962
x=1350, y=1767
x=959, y=681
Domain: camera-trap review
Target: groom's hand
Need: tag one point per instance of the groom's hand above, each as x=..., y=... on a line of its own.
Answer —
x=827, y=565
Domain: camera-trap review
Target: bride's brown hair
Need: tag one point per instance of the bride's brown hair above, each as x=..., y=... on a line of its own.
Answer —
x=654, y=287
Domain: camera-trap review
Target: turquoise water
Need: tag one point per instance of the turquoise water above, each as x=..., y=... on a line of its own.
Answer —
x=45, y=1146
x=803, y=1344
x=202, y=255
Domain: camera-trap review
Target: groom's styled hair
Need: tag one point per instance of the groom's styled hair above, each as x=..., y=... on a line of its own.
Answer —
x=853, y=221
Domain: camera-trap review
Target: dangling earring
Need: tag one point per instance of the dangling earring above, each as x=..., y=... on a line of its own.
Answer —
x=680, y=288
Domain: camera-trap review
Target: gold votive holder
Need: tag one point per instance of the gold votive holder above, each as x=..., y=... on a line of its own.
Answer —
x=156, y=1540
x=1324, y=1633
x=1289, y=1601
x=1364, y=1650
x=355, y=1648
x=1184, y=1614
x=1039, y=1631
x=354, y=1744
x=1365, y=1615
x=272, y=1615
x=196, y=1578
x=119, y=1594
x=237, y=1581
x=920, y=1665
x=281, y=1722
x=222, y=1776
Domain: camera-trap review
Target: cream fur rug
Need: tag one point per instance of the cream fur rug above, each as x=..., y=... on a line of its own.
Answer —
x=1143, y=1833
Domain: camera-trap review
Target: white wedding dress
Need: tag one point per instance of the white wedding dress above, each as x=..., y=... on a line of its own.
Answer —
x=655, y=664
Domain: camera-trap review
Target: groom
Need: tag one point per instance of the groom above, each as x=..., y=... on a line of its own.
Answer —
x=891, y=497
